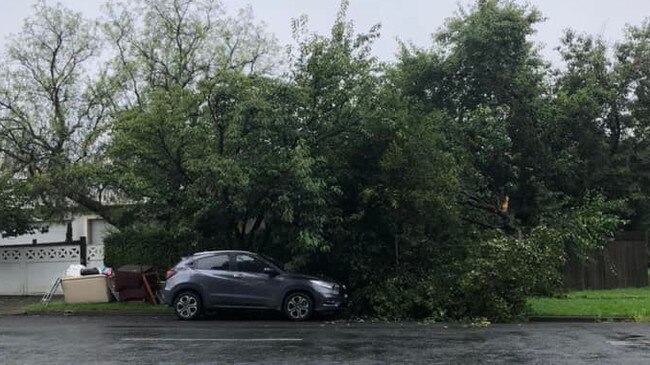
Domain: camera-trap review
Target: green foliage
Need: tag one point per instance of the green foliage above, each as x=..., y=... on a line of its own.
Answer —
x=498, y=279
x=407, y=296
x=588, y=227
x=147, y=245
x=487, y=76
x=499, y=272
x=16, y=214
x=502, y=272
x=490, y=53
x=451, y=184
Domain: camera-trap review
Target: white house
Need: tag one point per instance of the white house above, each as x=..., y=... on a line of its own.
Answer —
x=30, y=263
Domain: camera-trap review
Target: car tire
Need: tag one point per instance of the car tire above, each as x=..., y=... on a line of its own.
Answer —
x=298, y=306
x=188, y=306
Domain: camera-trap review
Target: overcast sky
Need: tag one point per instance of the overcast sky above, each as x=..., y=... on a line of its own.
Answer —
x=410, y=20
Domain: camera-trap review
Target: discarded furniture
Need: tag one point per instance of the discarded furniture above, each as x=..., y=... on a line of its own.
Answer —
x=137, y=283
x=86, y=289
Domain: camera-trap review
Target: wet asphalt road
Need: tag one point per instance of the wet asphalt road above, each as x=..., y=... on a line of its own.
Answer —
x=164, y=340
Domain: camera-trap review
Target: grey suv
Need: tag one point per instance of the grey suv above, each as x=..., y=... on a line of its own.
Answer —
x=240, y=279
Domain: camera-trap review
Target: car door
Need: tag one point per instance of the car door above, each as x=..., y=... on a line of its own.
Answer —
x=213, y=273
x=252, y=287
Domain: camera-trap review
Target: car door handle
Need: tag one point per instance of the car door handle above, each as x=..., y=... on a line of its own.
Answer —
x=237, y=276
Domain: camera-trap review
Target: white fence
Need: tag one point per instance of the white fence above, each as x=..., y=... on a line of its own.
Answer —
x=31, y=269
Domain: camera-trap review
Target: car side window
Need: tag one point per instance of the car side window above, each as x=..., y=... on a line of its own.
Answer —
x=249, y=264
x=216, y=262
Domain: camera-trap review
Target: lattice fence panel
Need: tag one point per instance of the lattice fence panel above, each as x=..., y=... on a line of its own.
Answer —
x=40, y=254
x=10, y=255
x=95, y=253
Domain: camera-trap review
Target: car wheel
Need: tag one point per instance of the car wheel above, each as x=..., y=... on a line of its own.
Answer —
x=298, y=306
x=187, y=305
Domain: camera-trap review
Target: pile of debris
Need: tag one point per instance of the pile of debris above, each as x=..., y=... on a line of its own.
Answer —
x=103, y=284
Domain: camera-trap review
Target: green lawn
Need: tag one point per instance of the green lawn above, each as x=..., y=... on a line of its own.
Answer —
x=135, y=307
x=631, y=303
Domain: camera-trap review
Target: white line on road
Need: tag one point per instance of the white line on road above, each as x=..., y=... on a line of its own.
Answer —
x=629, y=343
x=153, y=339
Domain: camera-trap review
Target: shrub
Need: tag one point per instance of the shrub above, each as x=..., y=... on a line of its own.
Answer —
x=147, y=245
x=407, y=296
x=502, y=272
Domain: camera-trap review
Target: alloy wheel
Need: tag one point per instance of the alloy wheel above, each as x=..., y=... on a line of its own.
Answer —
x=187, y=306
x=298, y=307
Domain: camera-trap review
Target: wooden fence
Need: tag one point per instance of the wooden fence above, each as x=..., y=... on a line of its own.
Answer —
x=623, y=264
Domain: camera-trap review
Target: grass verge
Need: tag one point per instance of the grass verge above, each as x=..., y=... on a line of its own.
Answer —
x=114, y=307
x=631, y=303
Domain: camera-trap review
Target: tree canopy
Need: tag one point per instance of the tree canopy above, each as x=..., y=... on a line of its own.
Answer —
x=452, y=182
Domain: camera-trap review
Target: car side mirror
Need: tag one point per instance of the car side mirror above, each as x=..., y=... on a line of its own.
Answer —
x=270, y=271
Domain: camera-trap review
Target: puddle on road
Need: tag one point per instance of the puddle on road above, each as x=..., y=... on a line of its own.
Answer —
x=630, y=341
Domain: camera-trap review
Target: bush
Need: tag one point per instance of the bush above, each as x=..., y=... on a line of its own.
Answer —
x=147, y=245
x=493, y=281
x=501, y=273
x=406, y=296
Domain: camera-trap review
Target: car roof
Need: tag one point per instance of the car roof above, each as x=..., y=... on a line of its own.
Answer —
x=203, y=253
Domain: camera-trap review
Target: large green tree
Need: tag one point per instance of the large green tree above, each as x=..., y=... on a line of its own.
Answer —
x=598, y=129
x=485, y=74
x=53, y=113
x=58, y=96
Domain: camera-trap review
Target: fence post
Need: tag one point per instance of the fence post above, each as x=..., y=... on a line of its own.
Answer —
x=68, y=233
x=83, y=251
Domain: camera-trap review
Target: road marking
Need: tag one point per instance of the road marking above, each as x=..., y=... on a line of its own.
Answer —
x=619, y=343
x=153, y=339
x=629, y=343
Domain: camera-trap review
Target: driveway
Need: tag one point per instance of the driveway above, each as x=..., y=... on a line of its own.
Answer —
x=164, y=340
x=10, y=305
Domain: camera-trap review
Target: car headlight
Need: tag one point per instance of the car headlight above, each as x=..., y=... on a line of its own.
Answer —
x=325, y=285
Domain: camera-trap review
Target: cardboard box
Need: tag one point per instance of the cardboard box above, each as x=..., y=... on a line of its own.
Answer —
x=86, y=289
